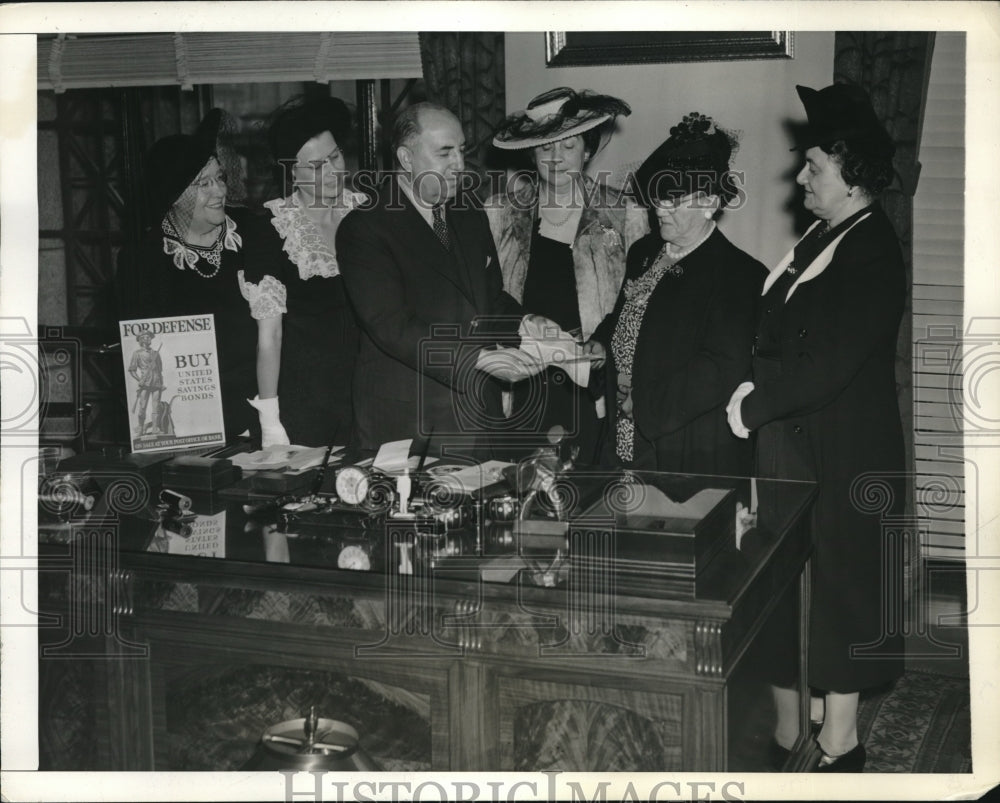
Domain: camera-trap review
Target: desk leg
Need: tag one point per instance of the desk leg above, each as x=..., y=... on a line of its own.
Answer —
x=474, y=718
x=705, y=731
x=130, y=715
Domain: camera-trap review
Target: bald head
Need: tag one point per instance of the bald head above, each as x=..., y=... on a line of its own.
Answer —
x=430, y=148
x=409, y=123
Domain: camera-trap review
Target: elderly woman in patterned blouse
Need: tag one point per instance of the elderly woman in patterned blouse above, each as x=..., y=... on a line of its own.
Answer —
x=682, y=330
x=307, y=336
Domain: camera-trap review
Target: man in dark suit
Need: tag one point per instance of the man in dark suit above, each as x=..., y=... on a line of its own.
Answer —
x=422, y=274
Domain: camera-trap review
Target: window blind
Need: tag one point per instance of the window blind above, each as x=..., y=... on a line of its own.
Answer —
x=938, y=255
x=154, y=59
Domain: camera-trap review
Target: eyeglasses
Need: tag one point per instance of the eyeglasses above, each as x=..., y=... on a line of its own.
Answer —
x=205, y=182
x=670, y=202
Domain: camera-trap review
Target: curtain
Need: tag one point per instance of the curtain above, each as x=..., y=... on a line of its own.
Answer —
x=894, y=68
x=465, y=72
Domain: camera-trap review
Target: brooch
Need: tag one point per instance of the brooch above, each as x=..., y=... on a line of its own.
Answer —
x=611, y=237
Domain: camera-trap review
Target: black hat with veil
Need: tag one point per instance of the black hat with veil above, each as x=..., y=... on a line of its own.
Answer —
x=175, y=161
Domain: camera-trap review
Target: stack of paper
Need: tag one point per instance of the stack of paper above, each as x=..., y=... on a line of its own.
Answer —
x=472, y=478
x=394, y=459
x=393, y=456
x=276, y=458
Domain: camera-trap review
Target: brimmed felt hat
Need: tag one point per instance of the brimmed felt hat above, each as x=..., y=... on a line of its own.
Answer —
x=175, y=161
x=557, y=114
x=299, y=120
x=841, y=111
x=694, y=157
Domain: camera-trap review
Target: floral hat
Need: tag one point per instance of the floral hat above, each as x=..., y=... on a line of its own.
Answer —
x=558, y=114
x=694, y=157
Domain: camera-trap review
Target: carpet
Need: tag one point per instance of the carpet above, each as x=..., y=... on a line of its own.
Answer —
x=921, y=724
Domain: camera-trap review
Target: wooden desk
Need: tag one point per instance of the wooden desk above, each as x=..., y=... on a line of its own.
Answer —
x=183, y=659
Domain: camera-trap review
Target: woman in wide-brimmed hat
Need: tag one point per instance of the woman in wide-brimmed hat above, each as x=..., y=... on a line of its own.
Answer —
x=823, y=406
x=562, y=238
x=308, y=339
x=681, y=333
x=189, y=259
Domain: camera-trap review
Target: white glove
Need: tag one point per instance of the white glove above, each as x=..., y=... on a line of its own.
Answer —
x=734, y=413
x=271, y=431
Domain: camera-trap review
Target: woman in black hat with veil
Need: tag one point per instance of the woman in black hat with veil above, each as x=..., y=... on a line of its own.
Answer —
x=189, y=260
x=680, y=334
x=823, y=406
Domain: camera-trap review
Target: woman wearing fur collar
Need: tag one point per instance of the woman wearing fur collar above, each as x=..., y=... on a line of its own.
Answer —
x=562, y=239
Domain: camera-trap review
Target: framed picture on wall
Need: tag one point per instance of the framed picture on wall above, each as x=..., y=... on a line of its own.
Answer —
x=572, y=48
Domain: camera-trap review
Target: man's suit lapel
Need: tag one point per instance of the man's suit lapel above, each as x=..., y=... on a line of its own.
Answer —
x=423, y=237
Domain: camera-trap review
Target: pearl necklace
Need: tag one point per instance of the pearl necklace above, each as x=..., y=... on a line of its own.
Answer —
x=677, y=256
x=187, y=254
x=671, y=263
x=556, y=224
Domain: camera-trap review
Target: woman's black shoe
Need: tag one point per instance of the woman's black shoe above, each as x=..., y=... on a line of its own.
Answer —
x=851, y=761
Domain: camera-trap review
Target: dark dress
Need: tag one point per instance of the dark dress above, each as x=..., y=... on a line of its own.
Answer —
x=692, y=349
x=551, y=398
x=151, y=285
x=292, y=270
x=824, y=408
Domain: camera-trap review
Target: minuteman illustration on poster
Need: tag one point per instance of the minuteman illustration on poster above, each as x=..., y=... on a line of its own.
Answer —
x=172, y=382
x=147, y=369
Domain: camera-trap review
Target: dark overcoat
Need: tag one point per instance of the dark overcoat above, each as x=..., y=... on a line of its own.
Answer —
x=693, y=348
x=425, y=312
x=826, y=410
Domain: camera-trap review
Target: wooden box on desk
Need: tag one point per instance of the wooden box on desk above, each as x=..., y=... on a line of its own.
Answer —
x=199, y=474
x=117, y=464
x=655, y=539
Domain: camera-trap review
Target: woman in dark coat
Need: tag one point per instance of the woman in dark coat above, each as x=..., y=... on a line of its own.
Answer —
x=823, y=406
x=682, y=329
x=188, y=262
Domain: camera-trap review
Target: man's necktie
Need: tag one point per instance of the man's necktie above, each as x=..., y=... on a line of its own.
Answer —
x=441, y=228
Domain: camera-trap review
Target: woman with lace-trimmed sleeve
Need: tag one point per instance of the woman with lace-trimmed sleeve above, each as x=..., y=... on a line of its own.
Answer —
x=307, y=338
